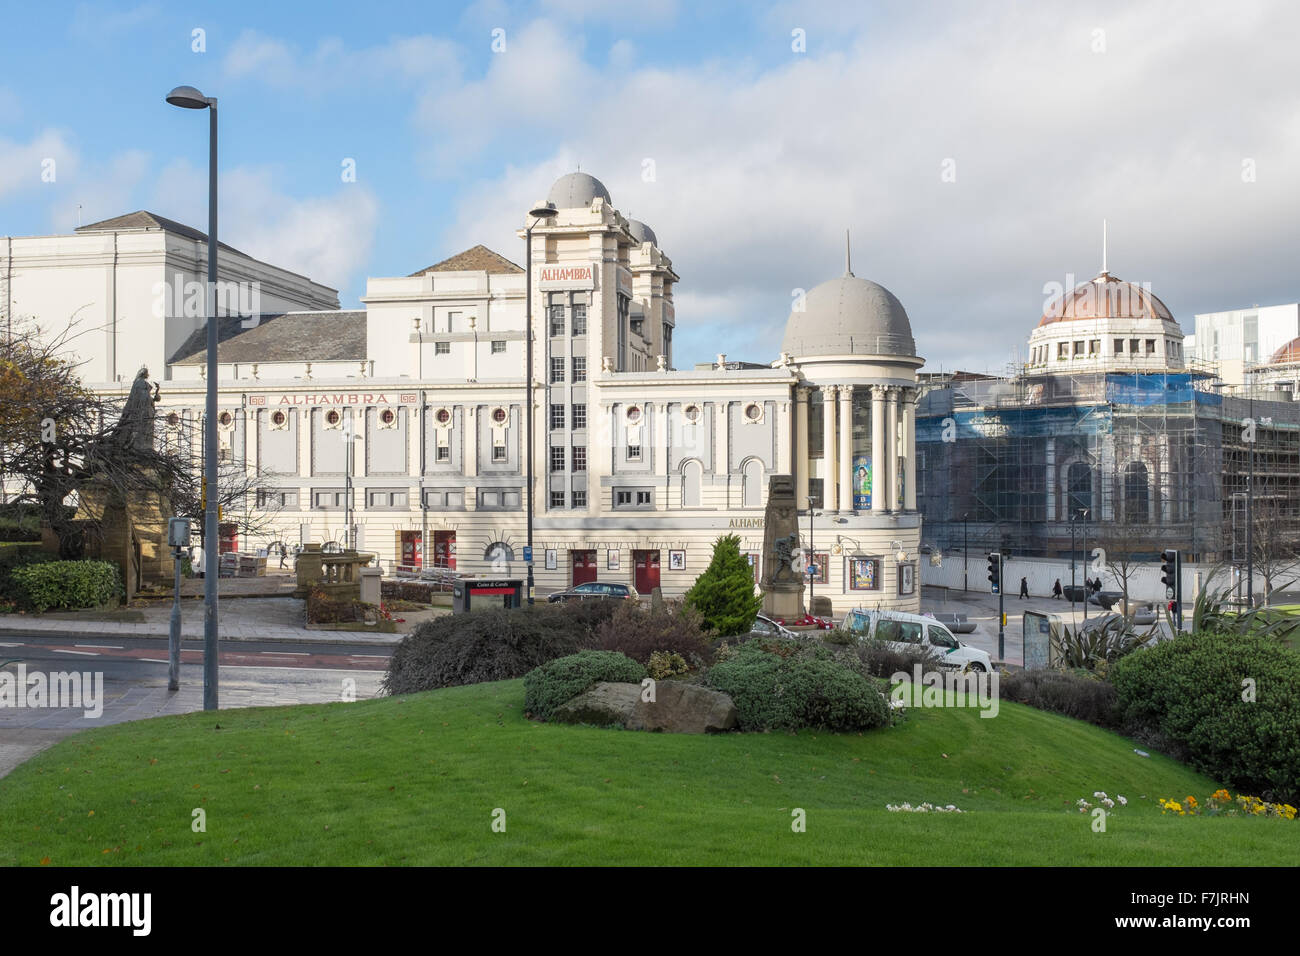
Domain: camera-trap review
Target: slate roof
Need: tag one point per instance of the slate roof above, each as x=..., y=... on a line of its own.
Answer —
x=477, y=259
x=285, y=337
x=142, y=219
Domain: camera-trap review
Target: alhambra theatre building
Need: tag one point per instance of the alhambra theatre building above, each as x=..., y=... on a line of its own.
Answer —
x=406, y=418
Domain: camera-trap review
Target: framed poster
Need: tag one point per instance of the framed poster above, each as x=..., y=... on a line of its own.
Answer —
x=864, y=574
x=676, y=560
x=551, y=559
x=611, y=559
x=862, y=482
x=907, y=578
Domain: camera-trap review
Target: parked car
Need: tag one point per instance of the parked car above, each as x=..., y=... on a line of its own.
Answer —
x=902, y=630
x=599, y=590
x=821, y=623
x=764, y=626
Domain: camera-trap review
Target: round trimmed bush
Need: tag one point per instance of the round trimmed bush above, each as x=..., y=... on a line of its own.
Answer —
x=1189, y=692
x=558, y=682
x=775, y=692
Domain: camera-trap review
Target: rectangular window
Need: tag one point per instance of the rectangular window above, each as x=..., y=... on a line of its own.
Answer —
x=633, y=452
x=580, y=415
x=327, y=500
x=579, y=368
x=1119, y=346
x=580, y=499
x=444, y=453
x=1078, y=347
x=441, y=348
x=1151, y=346
x=557, y=458
x=1062, y=350
x=557, y=416
x=579, y=457
x=557, y=320
x=557, y=499
x=275, y=498
x=579, y=320
x=1133, y=346
x=498, y=452
x=644, y=498
x=498, y=346
x=1094, y=346
x=622, y=499
x=381, y=498
x=557, y=369
x=444, y=499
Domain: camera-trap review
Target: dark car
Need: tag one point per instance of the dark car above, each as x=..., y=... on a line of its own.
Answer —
x=597, y=590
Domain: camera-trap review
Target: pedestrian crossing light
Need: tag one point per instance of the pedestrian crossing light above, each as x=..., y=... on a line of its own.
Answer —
x=995, y=573
x=1169, y=569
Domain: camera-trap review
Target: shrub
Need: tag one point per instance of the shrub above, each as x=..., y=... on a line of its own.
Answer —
x=555, y=683
x=323, y=609
x=1072, y=694
x=492, y=644
x=18, y=556
x=639, y=632
x=665, y=664
x=66, y=584
x=879, y=659
x=1190, y=692
x=805, y=688
x=1098, y=645
x=724, y=593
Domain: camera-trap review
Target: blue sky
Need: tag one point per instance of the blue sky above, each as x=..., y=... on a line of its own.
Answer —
x=1053, y=116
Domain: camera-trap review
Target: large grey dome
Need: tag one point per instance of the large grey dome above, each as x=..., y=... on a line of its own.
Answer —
x=641, y=232
x=576, y=190
x=849, y=316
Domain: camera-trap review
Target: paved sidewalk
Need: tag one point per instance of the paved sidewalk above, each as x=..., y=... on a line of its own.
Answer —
x=245, y=619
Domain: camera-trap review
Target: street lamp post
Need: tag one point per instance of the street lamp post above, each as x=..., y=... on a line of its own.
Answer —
x=811, y=563
x=1250, y=511
x=187, y=97
x=965, y=549
x=1072, y=560
x=539, y=211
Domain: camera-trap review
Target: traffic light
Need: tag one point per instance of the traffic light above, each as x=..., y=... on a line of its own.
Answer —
x=1169, y=569
x=995, y=573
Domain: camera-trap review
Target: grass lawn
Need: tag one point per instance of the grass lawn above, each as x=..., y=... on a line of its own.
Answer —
x=415, y=780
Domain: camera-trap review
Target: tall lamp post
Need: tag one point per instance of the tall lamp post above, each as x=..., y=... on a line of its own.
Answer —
x=187, y=97
x=540, y=211
x=811, y=564
x=1250, y=514
x=1073, y=518
x=965, y=549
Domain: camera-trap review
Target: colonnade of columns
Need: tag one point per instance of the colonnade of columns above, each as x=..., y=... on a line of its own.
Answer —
x=893, y=447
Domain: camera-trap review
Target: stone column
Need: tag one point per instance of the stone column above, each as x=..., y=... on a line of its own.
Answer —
x=879, y=471
x=846, y=448
x=801, y=462
x=891, y=443
x=909, y=448
x=829, y=501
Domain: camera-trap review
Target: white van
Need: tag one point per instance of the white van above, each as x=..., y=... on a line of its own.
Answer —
x=902, y=630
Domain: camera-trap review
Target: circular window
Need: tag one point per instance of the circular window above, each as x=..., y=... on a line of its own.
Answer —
x=499, y=415
x=278, y=418
x=332, y=417
x=692, y=413
x=634, y=414
x=753, y=412
x=173, y=419
x=388, y=416
x=225, y=418
x=442, y=416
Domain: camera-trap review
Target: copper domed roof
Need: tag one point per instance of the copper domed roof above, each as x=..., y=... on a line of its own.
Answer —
x=1106, y=297
x=1288, y=354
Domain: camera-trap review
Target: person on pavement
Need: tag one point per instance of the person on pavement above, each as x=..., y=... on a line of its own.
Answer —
x=1056, y=589
x=1024, y=588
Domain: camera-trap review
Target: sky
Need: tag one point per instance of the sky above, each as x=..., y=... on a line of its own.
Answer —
x=972, y=149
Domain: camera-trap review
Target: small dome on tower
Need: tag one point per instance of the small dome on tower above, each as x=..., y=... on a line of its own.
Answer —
x=577, y=191
x=641, y=232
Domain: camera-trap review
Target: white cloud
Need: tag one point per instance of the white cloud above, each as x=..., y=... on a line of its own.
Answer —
x=331, y=65
x=22, y=165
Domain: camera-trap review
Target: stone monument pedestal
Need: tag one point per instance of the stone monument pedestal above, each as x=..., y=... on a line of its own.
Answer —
x=782, y=585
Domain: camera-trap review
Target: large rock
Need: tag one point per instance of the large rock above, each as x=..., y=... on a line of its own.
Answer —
x=681, y=708
x=606, y=704
x=678, y=708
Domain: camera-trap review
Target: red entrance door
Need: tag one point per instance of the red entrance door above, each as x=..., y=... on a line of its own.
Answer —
x=584, y=566
x=444, y=549
x=647, y=570
x=412, y=549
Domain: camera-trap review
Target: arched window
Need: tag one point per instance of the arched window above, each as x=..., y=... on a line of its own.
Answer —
x=692, y=478
x=498, y=554
x=1137, y=494
x=1078, y=483
x=751, y=491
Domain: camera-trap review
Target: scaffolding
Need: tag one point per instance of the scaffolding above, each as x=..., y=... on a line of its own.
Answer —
x=1141, y=461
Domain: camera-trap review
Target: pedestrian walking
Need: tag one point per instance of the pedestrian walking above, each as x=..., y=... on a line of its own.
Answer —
x=1024, y=588
x=284, y=553
x=1056, y=589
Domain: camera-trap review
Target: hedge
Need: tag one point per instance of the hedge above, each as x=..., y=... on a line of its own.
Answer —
x=66, y=584
x=549, y=686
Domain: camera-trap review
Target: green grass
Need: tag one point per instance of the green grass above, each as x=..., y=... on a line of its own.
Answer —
x=414, y=780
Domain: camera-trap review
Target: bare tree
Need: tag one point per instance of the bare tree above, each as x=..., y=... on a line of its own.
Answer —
x=1118, y=560
x=1274, y=544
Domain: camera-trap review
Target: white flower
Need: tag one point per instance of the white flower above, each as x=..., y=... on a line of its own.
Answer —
x=1122, y=801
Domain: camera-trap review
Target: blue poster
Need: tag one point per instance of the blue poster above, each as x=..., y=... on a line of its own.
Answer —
x=861, y=482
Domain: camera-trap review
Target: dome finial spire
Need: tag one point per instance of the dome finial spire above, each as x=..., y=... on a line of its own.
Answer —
x=848, y=255
x=1104, y=270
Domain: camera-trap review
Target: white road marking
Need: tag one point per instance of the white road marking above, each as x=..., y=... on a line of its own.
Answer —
x=287, y=653
x=382, y=657
x=6, y=644
x=154, y=660
x=115, y=647
x=59, y=650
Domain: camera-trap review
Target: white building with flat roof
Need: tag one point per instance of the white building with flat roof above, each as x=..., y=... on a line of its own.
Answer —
x=1239, y=339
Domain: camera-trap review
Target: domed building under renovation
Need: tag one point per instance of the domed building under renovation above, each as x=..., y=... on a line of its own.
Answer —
x=402, y=428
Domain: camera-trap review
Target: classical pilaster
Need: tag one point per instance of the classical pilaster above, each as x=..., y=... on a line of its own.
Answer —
x=879, y=469
x=801, y=462
x=829, y=500
x=846, y=448
x=891, y=445
x=909, y=448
